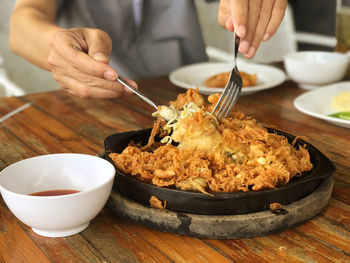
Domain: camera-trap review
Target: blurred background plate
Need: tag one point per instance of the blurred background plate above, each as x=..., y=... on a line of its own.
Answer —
x=194, y=75
x=317, y=103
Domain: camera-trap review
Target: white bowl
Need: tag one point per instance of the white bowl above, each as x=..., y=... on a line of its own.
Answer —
x=311, y=69
x=60, y=215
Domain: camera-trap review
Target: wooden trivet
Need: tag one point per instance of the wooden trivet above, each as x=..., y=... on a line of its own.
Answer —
x=227, y=226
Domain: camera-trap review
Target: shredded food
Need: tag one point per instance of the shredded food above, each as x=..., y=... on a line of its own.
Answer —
x=275, y=206
x=282, y=248
x=156, y=203
x=198, y=153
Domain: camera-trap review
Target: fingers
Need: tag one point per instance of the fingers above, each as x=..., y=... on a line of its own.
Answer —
x=270, y=17
x=96, y=93
x=68, y=47
x=100, y=45
x=85, y=63
x=278, y=10
x=88, y=86
x=232, y=14
x=224, y=12
x=253, y=16
x=260, y=31
x=85, y=85
x=74, y=68
x=131, y=83
x=239, y=14
x=229, y=24
x=252, y=20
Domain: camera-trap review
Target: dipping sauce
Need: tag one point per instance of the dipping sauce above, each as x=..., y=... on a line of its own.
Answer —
x=55, y=192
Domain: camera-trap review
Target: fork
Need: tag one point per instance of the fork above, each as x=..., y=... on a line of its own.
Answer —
x=138, y=93
x=232, y=89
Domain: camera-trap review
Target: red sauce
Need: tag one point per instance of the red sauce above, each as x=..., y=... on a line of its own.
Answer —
x=55, y=192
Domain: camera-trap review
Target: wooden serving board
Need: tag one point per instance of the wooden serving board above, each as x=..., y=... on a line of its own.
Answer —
x=228, y=226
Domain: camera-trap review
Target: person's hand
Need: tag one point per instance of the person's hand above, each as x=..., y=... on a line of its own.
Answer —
x=79, y=60
x=252, y=20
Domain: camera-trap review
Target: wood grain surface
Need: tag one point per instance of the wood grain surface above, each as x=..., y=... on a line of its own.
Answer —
x=60, y=122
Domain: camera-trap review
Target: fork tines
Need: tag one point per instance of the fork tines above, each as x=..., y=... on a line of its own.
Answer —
x=229, y=96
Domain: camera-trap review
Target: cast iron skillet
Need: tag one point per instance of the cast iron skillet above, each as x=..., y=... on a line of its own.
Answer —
x=222, y=203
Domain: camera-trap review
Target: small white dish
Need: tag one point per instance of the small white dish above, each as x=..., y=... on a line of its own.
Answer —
x=317, y=103
x=312, y=69
x=58, y=215
x=194, y=75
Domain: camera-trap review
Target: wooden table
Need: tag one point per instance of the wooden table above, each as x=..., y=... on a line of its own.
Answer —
x=59, y=122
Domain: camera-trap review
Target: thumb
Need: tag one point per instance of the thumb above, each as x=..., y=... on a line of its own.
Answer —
x=99, y=45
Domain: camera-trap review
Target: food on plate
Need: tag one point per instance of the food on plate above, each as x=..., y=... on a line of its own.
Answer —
x=341, y=102
x=345, y=115
x=196, y=152
x=220, y=80
x=156, y=203
x=341, y=105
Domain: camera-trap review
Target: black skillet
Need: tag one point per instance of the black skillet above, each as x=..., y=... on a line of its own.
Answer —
x=221, y=203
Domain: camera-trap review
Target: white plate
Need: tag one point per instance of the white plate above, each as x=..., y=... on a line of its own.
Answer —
x=317, y=103
x=194, y=75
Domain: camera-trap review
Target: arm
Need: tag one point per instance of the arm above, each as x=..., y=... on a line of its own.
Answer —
x=31, y=28
x=253, y=21
x=78, y=57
